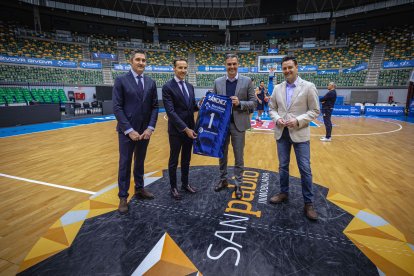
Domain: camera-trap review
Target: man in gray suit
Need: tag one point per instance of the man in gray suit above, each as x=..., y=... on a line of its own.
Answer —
x=293, y=105
x=241, y=91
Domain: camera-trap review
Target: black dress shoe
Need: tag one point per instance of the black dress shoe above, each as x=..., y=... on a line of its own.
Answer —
x=143, y=194
x=175, y=194
x=189, y=189
x=221, y=185
x=123, y=205
x=238, y=192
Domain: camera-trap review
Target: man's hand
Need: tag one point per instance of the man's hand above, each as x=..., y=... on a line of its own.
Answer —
x=190, y=133
x=200, y=102
x=147, y=134
x=235, y=100
x=291, y=123
x=134, y=136
x=280, y=122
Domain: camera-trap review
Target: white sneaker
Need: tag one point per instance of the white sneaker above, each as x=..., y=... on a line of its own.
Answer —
x=324, y=139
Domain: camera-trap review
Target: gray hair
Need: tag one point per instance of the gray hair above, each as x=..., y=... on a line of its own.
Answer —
x=332, y=83
x=133, y=53
x=232, y=56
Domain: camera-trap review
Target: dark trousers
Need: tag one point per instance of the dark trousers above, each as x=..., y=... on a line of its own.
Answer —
x=183, y=144
x=327, y=113
x=127, y=149
x=302, y=152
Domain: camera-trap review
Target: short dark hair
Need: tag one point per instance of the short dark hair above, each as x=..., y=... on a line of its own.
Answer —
x=134, y=52
x=286, y=58
x=179, y=59
x=261, y=81
x=232, y=56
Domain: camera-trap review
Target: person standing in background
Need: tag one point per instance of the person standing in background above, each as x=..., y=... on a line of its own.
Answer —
x=328, y=103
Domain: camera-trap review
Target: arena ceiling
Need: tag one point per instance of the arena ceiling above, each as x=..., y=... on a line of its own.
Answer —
x=221, y=9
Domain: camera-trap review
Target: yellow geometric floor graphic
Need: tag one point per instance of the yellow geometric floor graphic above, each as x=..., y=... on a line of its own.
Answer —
x=383, y=244
x=62, y=233
x=166, y=258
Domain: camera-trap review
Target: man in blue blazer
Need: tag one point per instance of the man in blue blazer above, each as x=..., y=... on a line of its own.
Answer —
x=135, y=105
x=180, y=105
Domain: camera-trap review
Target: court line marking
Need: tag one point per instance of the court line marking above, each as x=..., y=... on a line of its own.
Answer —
x=372, y=133
x=48, y=184
x=344, y=135
x=46, y=130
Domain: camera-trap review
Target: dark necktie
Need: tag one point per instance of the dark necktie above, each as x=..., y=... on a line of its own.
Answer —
x=140, y=87
x=184, y=92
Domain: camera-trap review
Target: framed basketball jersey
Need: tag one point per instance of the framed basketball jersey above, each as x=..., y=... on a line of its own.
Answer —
x=212, y=125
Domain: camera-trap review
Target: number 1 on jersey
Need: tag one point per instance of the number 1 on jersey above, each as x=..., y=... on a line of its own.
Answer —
x=211, y=120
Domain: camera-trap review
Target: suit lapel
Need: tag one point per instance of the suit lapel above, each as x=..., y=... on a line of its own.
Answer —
x=238, y=85
x=178, y=91
x=296, y=92
x=283, y=94
x=223, y=86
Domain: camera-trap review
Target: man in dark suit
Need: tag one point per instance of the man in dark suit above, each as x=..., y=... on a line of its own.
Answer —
x=241, y=91
x=135, y=105
x=180, y=105
x=328, y=103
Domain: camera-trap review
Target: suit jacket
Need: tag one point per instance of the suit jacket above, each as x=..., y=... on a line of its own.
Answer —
x=131, y=109
x=304, y=106
x=245, y=93
x=180, y=114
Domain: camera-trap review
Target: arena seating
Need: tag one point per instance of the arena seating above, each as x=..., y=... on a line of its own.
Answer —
x=159, y=78
x=18, y=94
x=394, y=77
x=19, y=73
x=399, y=43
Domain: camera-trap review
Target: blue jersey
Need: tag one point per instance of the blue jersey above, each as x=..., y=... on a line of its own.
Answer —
x=212, y=125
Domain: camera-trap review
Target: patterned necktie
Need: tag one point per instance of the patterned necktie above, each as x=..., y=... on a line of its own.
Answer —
x=187, y=100
x=140, y=86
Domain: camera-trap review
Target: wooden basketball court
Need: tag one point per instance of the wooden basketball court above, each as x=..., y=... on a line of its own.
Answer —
x=369, y=160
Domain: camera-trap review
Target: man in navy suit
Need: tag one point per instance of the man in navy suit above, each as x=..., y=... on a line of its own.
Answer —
x=180, y=105
x=135, y=105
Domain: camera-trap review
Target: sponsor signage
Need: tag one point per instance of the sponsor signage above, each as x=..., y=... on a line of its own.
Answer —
x=360, y=67
x=104, y=56
x=39, y=61
x=206, y=68
x=305, y=68
x=90, y=65
x=243, y=70
x=122, y=67
x=254, y=70
x=398, y=63
x=273, y=51
x=327, y=72
x=155, y=68
x=346, y=110
x=384, y=110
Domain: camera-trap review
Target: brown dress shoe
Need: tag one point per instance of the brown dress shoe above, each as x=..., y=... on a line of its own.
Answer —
x=188, y=189
x=221, y=185
x=123, y=205
x=238, y=192
x=279, y=198
x=175, y=194
x=310, y=211
x=144, y=194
